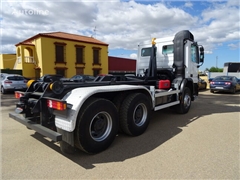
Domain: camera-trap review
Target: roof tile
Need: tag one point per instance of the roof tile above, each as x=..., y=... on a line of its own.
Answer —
x=65, y=36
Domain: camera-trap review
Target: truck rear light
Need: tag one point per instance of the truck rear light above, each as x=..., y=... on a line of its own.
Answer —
x=18, y=94
x=58, y=105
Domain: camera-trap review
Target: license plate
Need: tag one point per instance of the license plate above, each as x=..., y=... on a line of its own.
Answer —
x=219, y=87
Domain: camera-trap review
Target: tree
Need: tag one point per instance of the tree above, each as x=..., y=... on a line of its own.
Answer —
x=215, y=69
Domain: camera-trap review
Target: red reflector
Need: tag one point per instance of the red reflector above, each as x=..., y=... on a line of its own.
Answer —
x=57, y=105
x=18, y=95
x=7, y=82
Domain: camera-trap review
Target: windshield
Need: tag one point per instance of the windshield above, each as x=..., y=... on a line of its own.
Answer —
x=15, y=78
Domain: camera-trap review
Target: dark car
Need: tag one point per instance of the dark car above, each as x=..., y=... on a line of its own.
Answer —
x=225, y=83
x=202, y=84
x=210, y=79
x=50, y=77
x=79, y=78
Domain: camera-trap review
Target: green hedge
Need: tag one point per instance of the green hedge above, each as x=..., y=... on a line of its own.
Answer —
x=11, y=71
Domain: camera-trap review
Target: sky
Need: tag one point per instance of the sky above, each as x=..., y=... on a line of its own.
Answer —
x=124, y=24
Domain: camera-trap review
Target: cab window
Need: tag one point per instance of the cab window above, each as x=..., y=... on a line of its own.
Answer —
x=194, y=53
x=146, y=51
x=167, y=49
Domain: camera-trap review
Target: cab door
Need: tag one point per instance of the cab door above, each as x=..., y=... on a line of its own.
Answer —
x=191, y=61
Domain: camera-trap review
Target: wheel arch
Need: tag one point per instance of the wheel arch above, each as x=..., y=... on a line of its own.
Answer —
x=188, y=82
x=80, y=96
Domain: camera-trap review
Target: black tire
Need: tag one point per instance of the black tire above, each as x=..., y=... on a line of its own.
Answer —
x=234, y=90
x=135, y=114
x=185, y=102
x=205, y=87
x=3, y=91
x=119, y=99
x=97, y=126
x=118, y=102
x=212, y=91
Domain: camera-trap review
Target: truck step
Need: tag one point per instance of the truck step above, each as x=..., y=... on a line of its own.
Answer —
x=55, y=136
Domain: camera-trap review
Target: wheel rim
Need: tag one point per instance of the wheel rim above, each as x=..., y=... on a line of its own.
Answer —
x=187, y=101
x=100, y=126
x=140, y=114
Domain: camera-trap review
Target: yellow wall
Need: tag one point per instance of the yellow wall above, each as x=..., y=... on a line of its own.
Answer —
x=7, y=61
x=48, y=57
x=23, y=53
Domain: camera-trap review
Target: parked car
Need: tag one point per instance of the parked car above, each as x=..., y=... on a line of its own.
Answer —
x=202, y=84
x=210, y=79
x=50, y=77
x=225, y=83
x=79, y=78
x=12, y=82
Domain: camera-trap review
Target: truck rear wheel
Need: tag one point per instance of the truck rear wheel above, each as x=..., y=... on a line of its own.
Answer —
x=97, y=126
x=185, y=102
x=134, y=114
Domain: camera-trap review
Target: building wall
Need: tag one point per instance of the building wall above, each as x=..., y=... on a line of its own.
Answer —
x=24, y=57
x=48, y=57
x=7, y=61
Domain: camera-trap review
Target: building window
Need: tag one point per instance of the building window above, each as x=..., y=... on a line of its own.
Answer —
x=79, y=70
x=80, y=54
x=96, y=55
x=61, y=71
x=60, y=52
x=96, y=72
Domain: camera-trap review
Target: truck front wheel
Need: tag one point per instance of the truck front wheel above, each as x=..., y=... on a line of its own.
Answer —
x=185, y=102
x=134, y=114
x=97, y=126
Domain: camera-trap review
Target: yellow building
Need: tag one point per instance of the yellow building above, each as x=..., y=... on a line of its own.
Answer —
x=61, y=53
x=7, y=61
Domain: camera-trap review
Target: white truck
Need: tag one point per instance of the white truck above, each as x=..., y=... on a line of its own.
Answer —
x=89, y=115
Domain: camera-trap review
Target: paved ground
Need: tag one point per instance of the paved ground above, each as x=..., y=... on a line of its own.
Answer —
x=203, y=144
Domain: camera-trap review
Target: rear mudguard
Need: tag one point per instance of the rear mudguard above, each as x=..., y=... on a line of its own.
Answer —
x=66, y=120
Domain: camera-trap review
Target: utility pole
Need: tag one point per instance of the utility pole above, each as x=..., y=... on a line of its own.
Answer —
x=95, y=31
x=216, y=61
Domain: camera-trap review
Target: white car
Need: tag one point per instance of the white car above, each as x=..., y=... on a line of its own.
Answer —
x=12, y=82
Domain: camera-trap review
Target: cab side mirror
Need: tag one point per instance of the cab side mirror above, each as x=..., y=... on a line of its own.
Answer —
x=201, y=59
